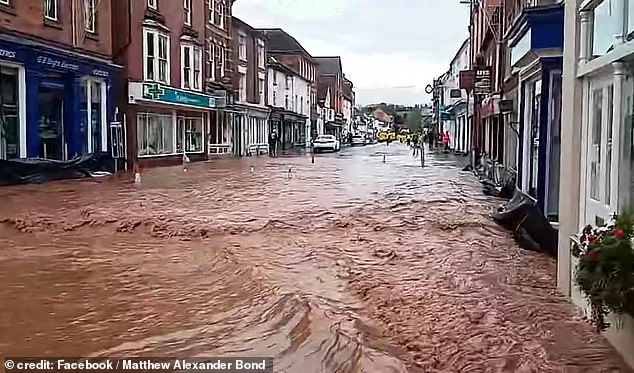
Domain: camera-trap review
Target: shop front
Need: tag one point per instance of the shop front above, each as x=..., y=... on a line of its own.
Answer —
x=252, y=132
x=68, y=97
x=536, y=47
x=598, y=168
x=165, y=122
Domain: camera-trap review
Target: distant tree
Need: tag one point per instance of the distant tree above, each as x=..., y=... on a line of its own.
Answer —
x=414, y=120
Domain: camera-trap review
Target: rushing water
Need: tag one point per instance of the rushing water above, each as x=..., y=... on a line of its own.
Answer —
x=350, y=264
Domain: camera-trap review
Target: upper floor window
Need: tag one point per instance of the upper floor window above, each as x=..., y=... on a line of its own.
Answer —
x=242, y=88
x=289, y=80
x=261, y=89
x=187, y=6
x=261, y=56
x=223, y=60
x=156, y=57
x=90, y=22
x=4, y=2
x=191, y=67
x=217, y=13
x=274, y=99
x=211, y=57
x=51, y=10
x=242, y=51
x=152, y=4
x=221, y=13
x=274, y=77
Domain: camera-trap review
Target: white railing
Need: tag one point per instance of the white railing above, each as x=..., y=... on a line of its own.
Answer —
x=218, y=149
x=258, y=149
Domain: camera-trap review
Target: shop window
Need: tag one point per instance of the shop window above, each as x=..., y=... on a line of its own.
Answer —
x=220, y=129
x=92, y=121
x=51, y=127
x=190, y=130
x=156, y=54
x=9, y=117
x=608, y=156
x=155, y=134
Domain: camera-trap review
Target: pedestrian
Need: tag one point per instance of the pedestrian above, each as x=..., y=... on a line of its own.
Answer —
x=446, y=140
x=414, y=143
x=273, y=143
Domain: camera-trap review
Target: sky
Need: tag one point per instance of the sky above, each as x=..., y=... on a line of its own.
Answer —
x=389, y=49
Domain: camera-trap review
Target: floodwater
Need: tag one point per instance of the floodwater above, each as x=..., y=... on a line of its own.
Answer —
x=350, y=264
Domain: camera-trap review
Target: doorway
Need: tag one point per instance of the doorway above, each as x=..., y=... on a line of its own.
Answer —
x=553, y=147
x=599, y=151
x=51, y=123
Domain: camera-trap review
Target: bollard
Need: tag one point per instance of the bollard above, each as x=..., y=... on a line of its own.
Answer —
x=290, y=173
x=383, y=158
x=312, y=154
x=251, y=168
x=137, y=175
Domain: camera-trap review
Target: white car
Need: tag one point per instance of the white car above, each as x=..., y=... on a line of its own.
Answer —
x=326, y=142
x=358, y=140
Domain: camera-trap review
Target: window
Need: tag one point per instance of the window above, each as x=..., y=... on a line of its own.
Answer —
x=286, y=103
x=89, y=16
x=92, y=121
x=223, y=60
x=10, y=125
x=190, y=130
x=295, y=103
x=50, y=10
x=261, y=90
x=191, y=65
x=274, y=99
x=261, y=56
x=289, y=80
x=212, y=10
x=595, y=147
x=156, y=56
x=153, y=4
x=274, y=77
x=187, y=5
x=301, y=104
x=155, y=134
x=242, y=47
x=605, y=19
x=211, y=56
x=242, y=89
x=4, y=2
x=221, y=13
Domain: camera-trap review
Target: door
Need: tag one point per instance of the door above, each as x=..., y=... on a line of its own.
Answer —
x=553, y=147
x=51, y=123
x=534, y=129
x=599, y=199
x=9, y=117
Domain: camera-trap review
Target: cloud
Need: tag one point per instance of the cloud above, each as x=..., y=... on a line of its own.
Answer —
x=390, y=50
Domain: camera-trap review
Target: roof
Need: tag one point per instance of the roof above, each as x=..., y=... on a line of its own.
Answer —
x=322, y=87
x=279, y=41
x=277, y=65
x=329, y=65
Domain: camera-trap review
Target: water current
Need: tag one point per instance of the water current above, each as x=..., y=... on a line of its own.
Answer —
x=350, y=264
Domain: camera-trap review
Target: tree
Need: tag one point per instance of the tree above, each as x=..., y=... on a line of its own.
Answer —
x=414, y=120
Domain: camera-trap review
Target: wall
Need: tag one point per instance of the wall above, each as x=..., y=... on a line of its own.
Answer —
x=27, y=17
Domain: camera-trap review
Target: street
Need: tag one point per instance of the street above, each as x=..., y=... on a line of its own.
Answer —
x=349, y=264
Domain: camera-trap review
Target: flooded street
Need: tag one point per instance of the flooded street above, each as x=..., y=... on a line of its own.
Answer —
x=350, y=264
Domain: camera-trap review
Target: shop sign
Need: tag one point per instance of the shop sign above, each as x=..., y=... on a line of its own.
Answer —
x=466, y=79
x=101, y=73
x=7, y=54
x=56, y=63
x=157, y=92
x=482, y=81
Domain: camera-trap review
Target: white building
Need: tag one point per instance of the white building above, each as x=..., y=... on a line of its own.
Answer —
x=596, y=132
x=456, y=107
x=290, y=101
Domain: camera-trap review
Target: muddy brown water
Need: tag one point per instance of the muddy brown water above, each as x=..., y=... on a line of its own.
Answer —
x=346, y=265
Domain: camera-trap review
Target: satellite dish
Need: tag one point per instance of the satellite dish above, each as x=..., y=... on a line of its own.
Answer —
x=429, y=89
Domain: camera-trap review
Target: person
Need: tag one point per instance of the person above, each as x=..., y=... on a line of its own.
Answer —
x=273, y=143
x=414, y=143
x=446, y=140
x=350, y=138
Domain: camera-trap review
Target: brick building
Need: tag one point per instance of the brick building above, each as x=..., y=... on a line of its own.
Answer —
x=55, y=59
x=330, y=76
x=172, y=99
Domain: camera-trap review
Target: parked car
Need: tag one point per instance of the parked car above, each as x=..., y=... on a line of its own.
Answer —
x=326, y=142
x=358, y=140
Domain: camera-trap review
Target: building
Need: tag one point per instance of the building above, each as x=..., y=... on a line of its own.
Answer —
x=219, y=82
x=458, y=104
x=250, y=82
x=169, y=110
x=326, y=121
x=596, y=133
x=533, y=83
x=486, y=52
x=56, y=77
x=292, y=87
x=348, y=105
x=330, y=75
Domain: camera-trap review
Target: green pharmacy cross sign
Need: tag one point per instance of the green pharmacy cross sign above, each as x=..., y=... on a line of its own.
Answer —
x=157, y=92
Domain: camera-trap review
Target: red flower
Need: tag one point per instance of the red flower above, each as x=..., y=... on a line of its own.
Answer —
x=593, y=239
x=592, y=256
x=619, y=233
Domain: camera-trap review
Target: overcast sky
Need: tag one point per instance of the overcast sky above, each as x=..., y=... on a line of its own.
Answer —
x=390, y=49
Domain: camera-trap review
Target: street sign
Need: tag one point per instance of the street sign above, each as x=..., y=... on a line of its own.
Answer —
x=482, y=81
